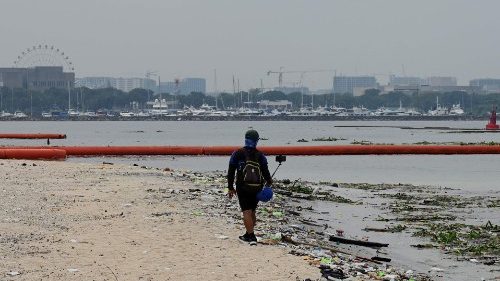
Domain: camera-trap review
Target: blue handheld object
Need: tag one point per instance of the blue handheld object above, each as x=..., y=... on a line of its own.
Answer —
x=265, y=194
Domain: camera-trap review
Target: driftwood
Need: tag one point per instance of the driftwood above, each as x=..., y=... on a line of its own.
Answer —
x=311, y=223
x=381, y=259
x=373, y=229
x=331, y=249
x=357, y=242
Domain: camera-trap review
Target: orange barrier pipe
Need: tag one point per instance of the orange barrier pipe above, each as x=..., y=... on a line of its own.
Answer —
x=277, y=150
x=362, y=150
x=132, y=150
x=33, y=154
x=32, y=136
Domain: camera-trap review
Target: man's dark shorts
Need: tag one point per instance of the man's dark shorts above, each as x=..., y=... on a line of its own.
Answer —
x=247, y=196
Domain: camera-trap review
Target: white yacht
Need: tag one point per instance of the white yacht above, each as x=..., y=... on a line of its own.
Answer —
x=19, y=114
x=338, y=110
x=456, y=109
x=126, y=114
x=244, y=111
x=5, y=114
x=325, y=111
x=90, y=114
x=73, y=113
x=360, y=111
x=143, y=114
x=413, y=112
x=304, y=111
x=159, y=107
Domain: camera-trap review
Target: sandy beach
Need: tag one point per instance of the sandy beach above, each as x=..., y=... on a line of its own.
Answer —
x=72, y=221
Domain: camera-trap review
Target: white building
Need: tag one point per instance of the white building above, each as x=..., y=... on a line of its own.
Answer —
x=184, y=86
x=346, y=84
x=488, y=85
x=123, y=84
x=189, y=85
x=128, y=84
x=405, y=81
x=441, y=81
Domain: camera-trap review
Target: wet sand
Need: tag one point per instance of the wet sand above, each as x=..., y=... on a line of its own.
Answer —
x=72, y=221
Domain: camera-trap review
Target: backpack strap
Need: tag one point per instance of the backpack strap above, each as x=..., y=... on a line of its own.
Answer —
x=248, y=156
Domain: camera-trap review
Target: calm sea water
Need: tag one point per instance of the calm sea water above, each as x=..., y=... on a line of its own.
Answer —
x=470, y=174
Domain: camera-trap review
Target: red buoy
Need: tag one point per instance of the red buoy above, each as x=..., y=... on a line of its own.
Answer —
x=492, y=125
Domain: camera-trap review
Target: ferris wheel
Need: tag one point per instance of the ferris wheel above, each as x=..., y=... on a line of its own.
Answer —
x=44, y=55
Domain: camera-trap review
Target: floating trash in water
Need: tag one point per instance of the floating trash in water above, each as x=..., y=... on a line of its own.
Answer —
x=328, y=139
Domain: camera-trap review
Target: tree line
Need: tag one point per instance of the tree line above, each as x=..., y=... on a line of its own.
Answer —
x=84, y=99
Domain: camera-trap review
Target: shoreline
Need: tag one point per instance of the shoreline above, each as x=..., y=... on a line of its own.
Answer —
x=127, y=222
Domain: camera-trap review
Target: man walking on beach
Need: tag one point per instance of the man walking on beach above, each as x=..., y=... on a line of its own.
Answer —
x=251, y=170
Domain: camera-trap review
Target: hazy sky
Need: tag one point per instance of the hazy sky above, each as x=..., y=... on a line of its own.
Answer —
x=191, y=38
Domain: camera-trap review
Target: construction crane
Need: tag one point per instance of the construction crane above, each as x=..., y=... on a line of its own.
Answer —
x=302, y=73
x=280, y=75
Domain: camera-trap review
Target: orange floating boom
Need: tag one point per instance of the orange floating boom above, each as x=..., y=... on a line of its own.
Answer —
x=132, y=150
x=363, y=150
x=32, y=136
x=33, y=154
x=277, y=150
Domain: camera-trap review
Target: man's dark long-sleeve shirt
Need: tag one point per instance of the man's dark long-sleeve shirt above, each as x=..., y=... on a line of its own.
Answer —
x=237, y=163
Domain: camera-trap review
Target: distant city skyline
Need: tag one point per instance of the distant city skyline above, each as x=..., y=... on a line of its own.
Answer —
x=192, y=38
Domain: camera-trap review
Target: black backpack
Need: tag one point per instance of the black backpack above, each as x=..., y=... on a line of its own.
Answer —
x=252, y=175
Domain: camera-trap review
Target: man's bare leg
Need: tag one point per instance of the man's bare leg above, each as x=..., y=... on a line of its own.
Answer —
x=248, y=220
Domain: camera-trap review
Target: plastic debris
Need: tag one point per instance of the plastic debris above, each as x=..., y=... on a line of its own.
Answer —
x=391, y=277
x=276, y=236
x=279, y=220
x=326, y=260
x=331, y=273
x=278, y=214
x=198, y=213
